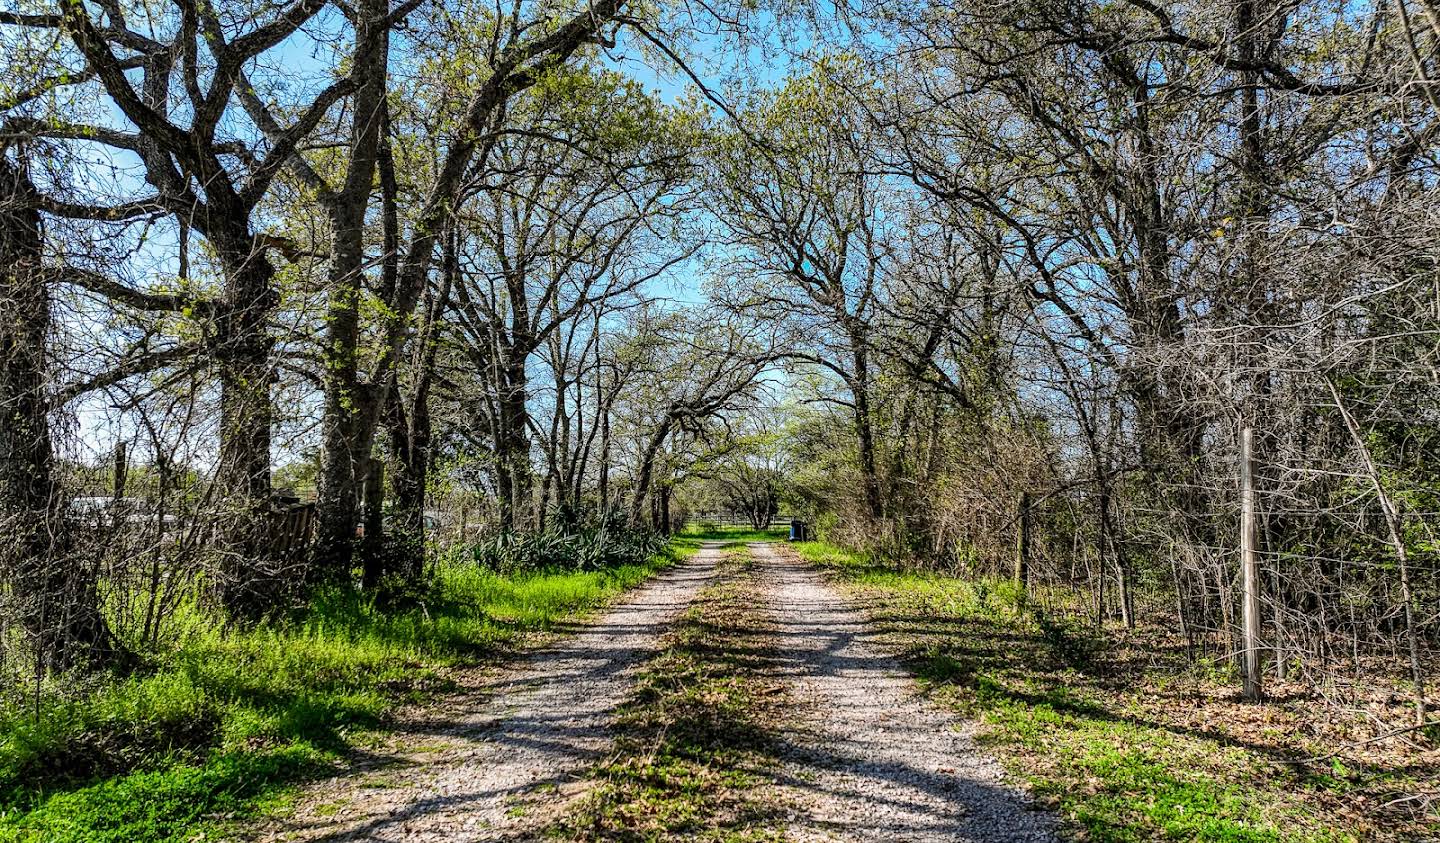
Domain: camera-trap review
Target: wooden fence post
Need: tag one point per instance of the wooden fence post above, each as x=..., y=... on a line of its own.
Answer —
x=1249, y=567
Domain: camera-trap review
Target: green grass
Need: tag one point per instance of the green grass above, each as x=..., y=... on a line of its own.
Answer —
x=223, y=726
x=694, y=754
x=1096, y=744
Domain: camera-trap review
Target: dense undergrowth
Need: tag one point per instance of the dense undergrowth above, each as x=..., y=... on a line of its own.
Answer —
x=714, y=532
x=1130, y=740
x=220, y=726
x=584, y=548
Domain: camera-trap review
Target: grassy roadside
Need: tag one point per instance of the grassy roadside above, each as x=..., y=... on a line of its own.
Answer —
x=694, y=752
x=224, y=727
x=1127, y=748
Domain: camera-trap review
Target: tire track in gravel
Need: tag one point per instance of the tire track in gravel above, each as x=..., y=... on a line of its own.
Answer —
x=868, y=757
x=494, y=762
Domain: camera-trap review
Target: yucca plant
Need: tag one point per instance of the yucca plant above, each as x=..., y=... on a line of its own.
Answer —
x=569, y=543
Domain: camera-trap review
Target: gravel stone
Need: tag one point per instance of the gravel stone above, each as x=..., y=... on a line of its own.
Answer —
x=869, y=758
x=494, y=762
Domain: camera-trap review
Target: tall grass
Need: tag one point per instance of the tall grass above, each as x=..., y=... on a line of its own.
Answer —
x=219, y=726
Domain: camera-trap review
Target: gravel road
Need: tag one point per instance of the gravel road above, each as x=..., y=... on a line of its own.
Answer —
x=864, y=756
x=496, y=760
x=869, y=758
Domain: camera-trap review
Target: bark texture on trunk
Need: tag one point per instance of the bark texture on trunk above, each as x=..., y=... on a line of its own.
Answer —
x=646, y=475
x=409, y=469
x=343, y=462
x=864, y=429
x=251, y=580
x=53, y=587
x=515, y=443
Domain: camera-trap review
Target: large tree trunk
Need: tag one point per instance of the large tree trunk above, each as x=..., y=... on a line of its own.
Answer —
x=370, y=472
x=647, y=472
x=372, y=546
x=603, y=399
x=864, y=429
x=410, y=434
x=1169, y=429
x=515, y=429
x=337, y=498
x=55, y=588
x=409, y=473
x=251, y=579
x=664, y=493
x=343, y=464
x=560, y=464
